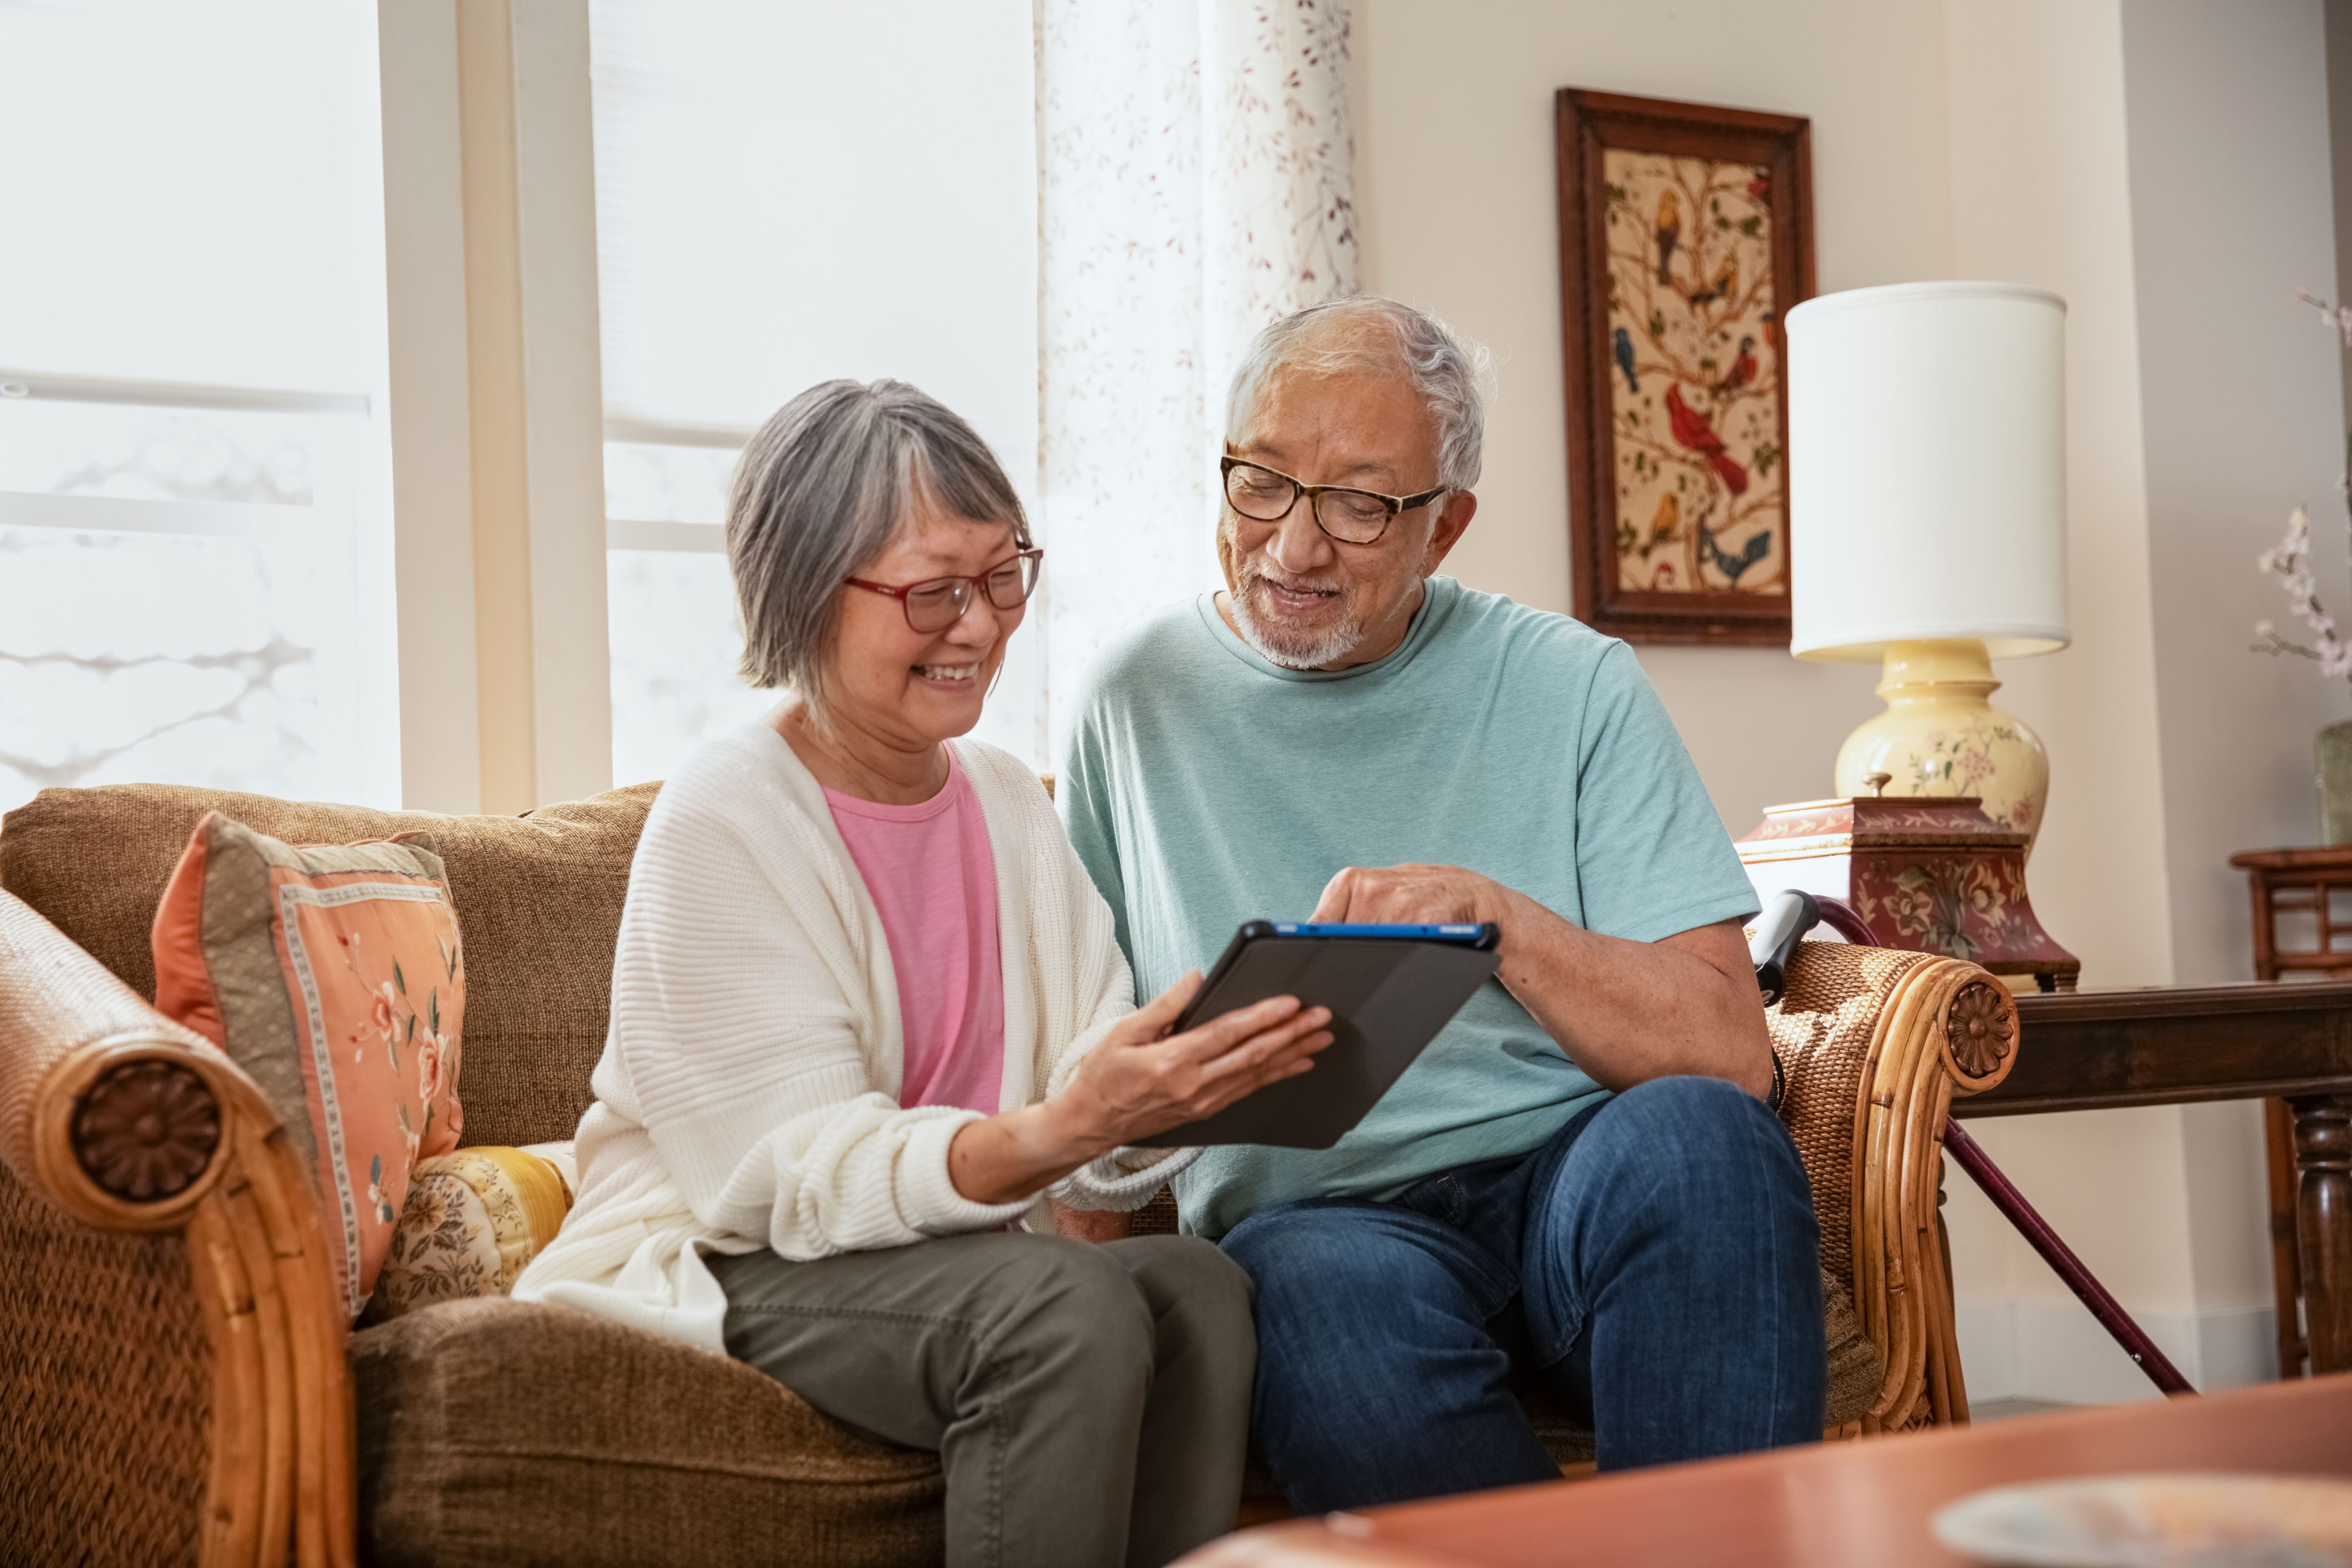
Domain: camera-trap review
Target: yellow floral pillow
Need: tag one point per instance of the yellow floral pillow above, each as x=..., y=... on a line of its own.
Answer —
x=473, y=1222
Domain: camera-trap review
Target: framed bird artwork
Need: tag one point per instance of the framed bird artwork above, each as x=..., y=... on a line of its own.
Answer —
x=1685, y=235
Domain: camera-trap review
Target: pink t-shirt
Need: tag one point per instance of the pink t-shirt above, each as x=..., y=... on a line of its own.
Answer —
x=934, y=881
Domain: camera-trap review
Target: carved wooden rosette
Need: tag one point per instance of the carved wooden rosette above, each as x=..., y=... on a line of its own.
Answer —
x=146, y=1130
x=1947, y=1026
x=1979, y=1033
x=1927, y=873
x=157, y=1131
x=130, y=1132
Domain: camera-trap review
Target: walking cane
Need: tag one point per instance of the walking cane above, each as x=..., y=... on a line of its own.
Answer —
x=1778, y=929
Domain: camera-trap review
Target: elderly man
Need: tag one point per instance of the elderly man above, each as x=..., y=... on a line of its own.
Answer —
x=1580, y=1173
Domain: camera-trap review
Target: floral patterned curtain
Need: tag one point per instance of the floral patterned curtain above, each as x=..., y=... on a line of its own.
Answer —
x=1193, y=185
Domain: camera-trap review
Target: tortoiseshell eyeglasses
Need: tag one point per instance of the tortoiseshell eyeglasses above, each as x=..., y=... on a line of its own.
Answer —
x=1351, y=517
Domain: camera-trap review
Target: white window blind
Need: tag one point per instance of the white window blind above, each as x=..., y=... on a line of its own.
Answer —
x=194, y=547
x=788, y=191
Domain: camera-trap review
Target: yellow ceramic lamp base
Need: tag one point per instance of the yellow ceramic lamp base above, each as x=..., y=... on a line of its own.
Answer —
x=1939, y=737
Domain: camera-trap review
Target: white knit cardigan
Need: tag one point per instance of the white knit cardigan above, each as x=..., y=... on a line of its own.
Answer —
x=748, y=1095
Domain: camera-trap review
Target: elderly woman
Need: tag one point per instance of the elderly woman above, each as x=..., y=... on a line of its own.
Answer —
x=869, y=1014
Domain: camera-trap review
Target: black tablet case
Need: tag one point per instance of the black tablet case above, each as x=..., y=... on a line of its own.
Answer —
x=1387, y=995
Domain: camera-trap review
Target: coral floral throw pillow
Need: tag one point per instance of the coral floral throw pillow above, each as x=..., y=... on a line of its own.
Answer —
x=333, y=977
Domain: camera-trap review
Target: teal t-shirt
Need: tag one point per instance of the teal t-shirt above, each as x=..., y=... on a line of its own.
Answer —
x=1205, y=787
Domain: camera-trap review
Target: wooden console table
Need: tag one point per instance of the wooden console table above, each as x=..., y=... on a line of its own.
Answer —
x=2178, y=1045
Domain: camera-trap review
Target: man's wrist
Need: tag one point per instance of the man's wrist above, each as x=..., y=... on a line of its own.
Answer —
x=1501, y=907
x=1531, y=947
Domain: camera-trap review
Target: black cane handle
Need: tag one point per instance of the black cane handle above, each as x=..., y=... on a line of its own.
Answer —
x=1786, y=917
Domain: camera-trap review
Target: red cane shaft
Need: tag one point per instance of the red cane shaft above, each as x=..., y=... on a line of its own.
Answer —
x=2060, y=1257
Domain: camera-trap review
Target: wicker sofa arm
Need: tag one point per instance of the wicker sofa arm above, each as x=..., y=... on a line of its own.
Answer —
x=1876, y=1042
x=107, y=1109
x=168, y=1308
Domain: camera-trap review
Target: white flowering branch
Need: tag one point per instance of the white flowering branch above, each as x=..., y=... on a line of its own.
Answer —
x=2337, y=316
x=2290, y=559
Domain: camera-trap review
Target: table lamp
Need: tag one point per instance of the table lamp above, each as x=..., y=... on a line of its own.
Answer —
x=1927, y=524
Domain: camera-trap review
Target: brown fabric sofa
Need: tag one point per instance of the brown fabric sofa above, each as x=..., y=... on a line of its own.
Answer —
x=179, y=1387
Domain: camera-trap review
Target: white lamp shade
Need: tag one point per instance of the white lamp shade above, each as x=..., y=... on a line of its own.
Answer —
x=1928, y=469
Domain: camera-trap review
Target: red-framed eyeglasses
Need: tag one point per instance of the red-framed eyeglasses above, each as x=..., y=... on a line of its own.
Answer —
x=938, y=602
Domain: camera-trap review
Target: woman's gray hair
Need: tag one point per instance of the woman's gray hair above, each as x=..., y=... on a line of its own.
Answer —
x=1331, y=337
x=819, y=491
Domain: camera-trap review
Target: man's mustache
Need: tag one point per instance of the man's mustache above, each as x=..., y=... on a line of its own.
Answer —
x=1252, y=578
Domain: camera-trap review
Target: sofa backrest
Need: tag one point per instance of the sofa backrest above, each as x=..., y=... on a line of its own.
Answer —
x=538, y=899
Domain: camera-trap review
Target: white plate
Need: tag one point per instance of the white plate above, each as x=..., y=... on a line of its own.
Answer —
x=2156, y=1522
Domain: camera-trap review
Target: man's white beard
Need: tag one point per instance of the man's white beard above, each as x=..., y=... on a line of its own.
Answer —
x=1280, y=644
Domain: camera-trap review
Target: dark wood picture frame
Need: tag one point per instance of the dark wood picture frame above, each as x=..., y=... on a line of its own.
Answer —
x=1589, y=125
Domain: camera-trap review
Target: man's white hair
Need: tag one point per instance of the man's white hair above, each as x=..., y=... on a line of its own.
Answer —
x=1332, y=337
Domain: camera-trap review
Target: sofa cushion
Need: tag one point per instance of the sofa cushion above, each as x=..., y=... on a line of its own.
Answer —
x=500, y=1432
x=538, y=897
x=1857, y=1366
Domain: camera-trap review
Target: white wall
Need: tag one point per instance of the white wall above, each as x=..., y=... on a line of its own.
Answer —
x=2243, y=397
x=2204, y=403
x=2056, y=143
x=2041, y=192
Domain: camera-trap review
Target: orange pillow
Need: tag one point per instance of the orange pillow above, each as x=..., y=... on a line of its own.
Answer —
x=332, y=976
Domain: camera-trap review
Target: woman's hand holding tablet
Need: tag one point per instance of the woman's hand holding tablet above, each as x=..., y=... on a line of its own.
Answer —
x=1389, y=990
x=1151, y=1071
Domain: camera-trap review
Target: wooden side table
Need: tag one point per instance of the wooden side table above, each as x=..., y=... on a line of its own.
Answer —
x=2293, y=884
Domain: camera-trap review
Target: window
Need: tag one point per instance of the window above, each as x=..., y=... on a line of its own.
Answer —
x=194, y=522
x=787, y=193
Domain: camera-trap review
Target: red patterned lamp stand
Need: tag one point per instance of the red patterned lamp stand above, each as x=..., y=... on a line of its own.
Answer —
x=1931, y=874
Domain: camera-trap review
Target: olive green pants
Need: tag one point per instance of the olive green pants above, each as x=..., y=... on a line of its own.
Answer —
x=1090, y=1404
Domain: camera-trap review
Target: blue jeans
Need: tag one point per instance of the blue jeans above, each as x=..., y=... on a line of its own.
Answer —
x=1655, y=1262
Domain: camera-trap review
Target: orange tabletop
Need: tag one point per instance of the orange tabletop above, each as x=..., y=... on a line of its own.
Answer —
x=1836, y=1505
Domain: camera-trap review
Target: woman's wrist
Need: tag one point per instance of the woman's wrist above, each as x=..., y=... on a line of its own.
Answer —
x=1019, y=1153
x=1070, y=1127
